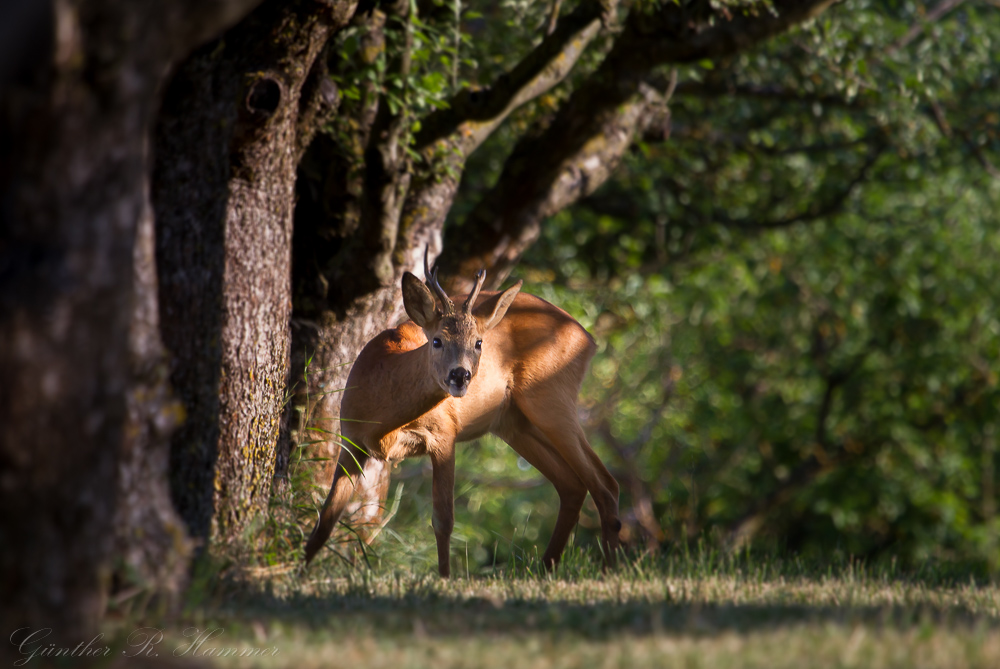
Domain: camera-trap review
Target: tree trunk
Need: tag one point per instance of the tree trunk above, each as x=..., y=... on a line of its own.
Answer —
x=228, y=140
x=74, y=335
x=151, y=543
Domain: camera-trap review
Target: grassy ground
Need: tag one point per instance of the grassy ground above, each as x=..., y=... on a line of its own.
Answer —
x=683, y=610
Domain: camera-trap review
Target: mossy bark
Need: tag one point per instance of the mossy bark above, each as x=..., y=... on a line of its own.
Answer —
x=228, y=139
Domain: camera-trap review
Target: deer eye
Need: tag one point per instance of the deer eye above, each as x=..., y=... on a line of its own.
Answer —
x=479, y=344
x=436, y=343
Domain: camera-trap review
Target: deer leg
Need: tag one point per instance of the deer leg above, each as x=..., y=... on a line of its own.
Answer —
x=528, y=442
x=611, y=524
x=350, y=465
x=443, y=518
x=558, y=422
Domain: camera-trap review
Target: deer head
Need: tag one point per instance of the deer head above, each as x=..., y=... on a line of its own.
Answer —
x=454, y=335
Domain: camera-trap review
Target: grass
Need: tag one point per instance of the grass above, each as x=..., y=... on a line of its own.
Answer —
x=384, y=607
x=688, y=609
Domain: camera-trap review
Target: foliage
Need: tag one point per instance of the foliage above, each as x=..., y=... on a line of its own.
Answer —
x=793, y=288
x=791, y=278
x=796, y=295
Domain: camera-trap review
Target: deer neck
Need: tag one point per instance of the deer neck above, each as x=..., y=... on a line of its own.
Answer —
x=412, y=388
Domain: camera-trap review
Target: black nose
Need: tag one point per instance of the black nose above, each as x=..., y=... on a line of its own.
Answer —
x=459, y=376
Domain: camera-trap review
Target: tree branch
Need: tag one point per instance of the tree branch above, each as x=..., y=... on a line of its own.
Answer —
x=642, y=512
x=472, y=115
x=744, y=529
x=825, y=456
x=979, y=154
x=816, y=211
x=917, y=29
x=449, y=135
x=551, y=169
x=387, y=174
x=741, y=142
x=765, y=92
x=639, y=489
x=318, y=103
x=688, y=34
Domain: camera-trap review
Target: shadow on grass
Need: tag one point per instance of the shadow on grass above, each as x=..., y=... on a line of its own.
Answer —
x=425, y=610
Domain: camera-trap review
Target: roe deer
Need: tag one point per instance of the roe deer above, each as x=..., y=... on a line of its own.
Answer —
x=507, y=363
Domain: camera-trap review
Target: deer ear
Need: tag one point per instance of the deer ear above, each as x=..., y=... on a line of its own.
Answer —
x=419, y=303
x=491, y=311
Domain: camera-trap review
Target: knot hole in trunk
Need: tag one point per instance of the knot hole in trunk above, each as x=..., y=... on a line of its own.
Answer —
x=264, y=97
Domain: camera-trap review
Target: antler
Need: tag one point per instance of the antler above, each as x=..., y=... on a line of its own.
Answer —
x=471, y=300
x=431, y=279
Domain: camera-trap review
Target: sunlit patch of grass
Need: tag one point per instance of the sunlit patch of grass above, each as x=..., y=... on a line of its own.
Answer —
x=696, y=608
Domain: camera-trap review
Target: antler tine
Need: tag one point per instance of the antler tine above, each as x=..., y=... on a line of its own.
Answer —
x=471, y=300
x=431, y=279
x=446, y=303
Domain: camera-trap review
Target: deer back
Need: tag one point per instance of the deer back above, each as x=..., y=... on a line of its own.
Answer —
x=390, y=386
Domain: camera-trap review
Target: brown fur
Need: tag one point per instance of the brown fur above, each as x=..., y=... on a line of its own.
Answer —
x=525, y=391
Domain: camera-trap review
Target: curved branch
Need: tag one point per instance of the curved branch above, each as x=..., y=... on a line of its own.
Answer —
x=816, y=211
x=593, y=129
x=471, y=115
x=450, y=135
x=690, y=34
x=765, y=92
x=917, y=29
x=826, y=456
